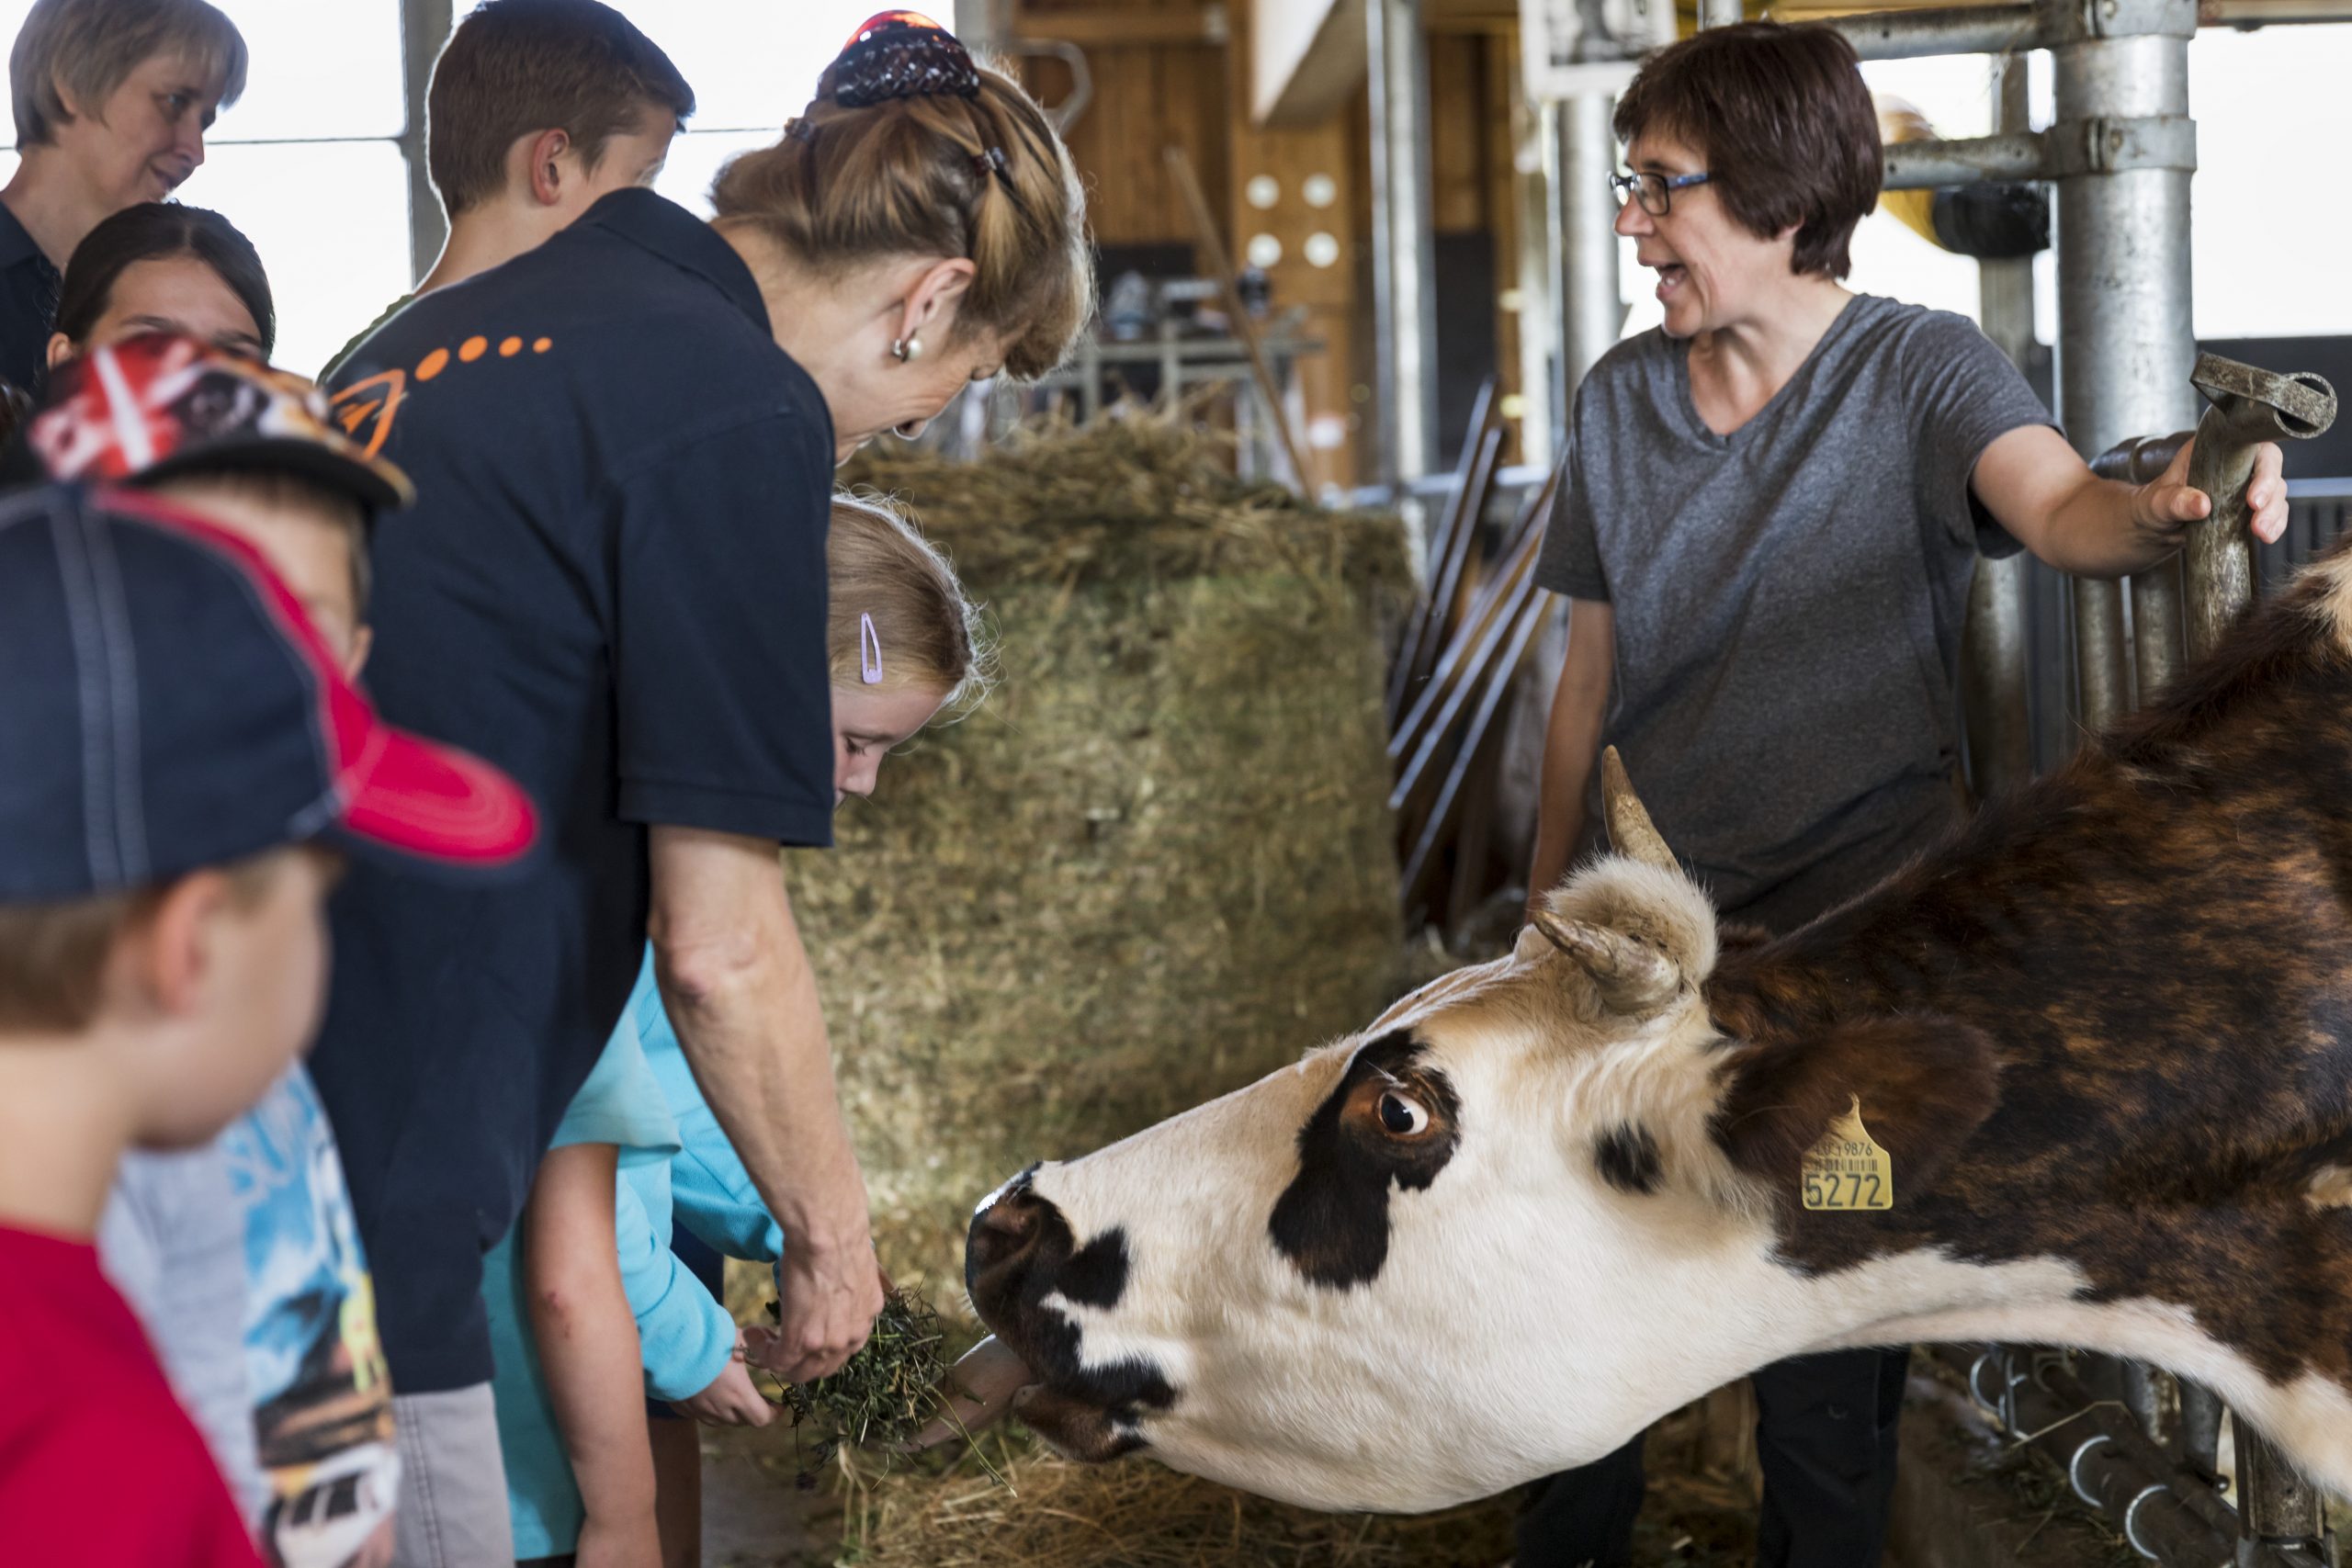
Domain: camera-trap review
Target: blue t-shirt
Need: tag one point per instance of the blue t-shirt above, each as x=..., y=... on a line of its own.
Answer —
x=613, y=586
x=620, y=1104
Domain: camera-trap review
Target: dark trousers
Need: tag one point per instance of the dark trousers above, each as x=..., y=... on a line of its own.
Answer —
x=1825, y=1430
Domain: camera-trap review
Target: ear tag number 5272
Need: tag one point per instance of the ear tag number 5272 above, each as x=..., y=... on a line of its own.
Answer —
x=1846, y=1170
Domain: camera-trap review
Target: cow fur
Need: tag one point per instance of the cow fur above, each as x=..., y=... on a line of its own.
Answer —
x=2104, y=1034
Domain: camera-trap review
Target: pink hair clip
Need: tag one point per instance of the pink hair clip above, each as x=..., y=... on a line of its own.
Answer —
x=869, y=651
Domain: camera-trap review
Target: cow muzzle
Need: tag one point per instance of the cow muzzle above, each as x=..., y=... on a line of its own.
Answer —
x=1026, y=1271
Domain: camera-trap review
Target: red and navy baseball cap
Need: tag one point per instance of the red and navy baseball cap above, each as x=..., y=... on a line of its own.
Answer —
x=164, y=705
x=158, y=404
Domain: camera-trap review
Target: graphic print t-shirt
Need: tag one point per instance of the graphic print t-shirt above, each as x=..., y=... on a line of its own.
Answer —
x=322, y=1400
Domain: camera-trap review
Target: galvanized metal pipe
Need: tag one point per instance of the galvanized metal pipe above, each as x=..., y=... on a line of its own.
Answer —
x=2165, y=1513
x=1948, y=30
x=424, y=27
x=2248, y=407
x=1931, y=165
x=1404, y=252
x=1995, y=680
x=2125, y=340
x=1719, y=13
x=1591, y=312
x=2158, y=635
x=2280, y=1513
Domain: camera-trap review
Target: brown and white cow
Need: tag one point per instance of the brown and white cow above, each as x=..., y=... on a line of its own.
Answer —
x=2104, y=1034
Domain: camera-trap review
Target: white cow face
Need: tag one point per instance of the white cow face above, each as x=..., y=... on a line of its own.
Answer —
x=1322, y=1287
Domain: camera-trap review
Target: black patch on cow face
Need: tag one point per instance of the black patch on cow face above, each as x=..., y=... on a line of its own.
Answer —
x=1096, y=1274
x=1626, y=1157
x=1390, y=1123
x=1012, y=1273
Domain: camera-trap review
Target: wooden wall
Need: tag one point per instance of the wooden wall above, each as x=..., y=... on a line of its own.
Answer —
x=1175, y=73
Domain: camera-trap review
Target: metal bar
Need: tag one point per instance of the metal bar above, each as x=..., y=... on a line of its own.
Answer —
x=1996, y=682
x=2158, y=631
x=1450, y=553
x=1941, y=30
x=1947, y=29
x=2280, y=1513
x=424, y=27
x=1540, y=305
x=2248, y=406
x=2000, y=737
x=1584, y=224
x=1440, y=704
x=1929, y=165
x=1404, y=249
x=1500, y=676
x=2124, y=336
x=1719, y=13
x=2167, y=1511
x=1212, y=242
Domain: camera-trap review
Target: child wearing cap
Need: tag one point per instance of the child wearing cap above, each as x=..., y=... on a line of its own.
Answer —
x=180, y=744
x=903, y=646
x=240, y=1256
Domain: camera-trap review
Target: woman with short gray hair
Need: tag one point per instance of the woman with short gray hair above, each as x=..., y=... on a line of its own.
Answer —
x=112, y=100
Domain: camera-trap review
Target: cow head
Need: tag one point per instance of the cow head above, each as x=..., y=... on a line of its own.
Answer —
x=1530, y=1207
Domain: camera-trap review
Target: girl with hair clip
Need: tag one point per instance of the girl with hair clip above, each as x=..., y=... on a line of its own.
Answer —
x=904, y=645
x=623, y=444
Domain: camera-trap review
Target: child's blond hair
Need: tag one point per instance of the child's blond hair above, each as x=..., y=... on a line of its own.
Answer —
x=879, y=567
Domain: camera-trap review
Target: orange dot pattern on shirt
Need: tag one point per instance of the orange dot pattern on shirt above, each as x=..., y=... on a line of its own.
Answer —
x=473, y=348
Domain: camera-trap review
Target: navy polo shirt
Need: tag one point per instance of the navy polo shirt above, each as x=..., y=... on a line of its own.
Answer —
x=613, y=586
x=28, y=307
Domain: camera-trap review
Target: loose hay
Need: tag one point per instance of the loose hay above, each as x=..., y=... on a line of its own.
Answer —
x=882, y=1396
x=1155, y=865
x=1134, y=1513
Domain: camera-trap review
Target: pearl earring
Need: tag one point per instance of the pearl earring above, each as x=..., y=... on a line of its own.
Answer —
x=908, y=349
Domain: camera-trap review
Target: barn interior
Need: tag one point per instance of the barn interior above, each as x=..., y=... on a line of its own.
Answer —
x=1265, y=746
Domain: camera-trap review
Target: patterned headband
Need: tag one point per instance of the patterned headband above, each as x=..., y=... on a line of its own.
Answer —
x=905, y=54
x=902, y=54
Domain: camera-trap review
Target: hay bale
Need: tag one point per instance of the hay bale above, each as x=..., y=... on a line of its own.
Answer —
x=1154, y=866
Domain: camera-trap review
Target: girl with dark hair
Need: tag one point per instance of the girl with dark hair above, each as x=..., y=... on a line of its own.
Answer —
x=1769, y=514
x=160, y=267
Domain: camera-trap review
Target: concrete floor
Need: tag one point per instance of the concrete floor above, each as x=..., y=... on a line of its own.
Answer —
x=753, y=1515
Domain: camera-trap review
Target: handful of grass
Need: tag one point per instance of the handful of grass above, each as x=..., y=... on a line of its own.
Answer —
x=884, y=1395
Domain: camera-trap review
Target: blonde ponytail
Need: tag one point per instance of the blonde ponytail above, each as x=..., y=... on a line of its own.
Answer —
x=984, y=177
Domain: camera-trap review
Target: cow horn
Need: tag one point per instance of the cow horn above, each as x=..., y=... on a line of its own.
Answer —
x=1634, y=977
x=1631, y=832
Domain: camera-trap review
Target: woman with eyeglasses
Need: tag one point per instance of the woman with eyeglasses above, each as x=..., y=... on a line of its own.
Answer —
x=1768, y=513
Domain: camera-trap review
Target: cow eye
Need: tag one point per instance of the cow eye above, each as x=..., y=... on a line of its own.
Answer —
x=1401, y=1116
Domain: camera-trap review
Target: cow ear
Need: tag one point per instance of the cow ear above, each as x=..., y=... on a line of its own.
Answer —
x=1926, y=1084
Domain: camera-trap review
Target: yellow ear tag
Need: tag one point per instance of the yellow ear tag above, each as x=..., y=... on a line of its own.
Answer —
x=1846, y=1170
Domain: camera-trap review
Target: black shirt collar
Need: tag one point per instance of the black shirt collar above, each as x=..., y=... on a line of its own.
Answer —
x=677, y=236
x=16, y=243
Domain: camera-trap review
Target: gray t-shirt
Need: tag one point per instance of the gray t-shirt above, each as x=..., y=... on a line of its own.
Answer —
x=1788, y=599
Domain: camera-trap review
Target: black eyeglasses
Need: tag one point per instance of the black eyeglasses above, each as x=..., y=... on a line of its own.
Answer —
x=1654, y=192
